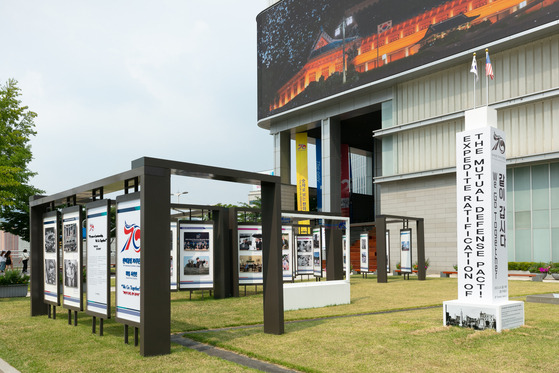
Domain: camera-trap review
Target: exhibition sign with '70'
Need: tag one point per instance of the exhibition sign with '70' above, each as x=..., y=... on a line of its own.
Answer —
x=128, y=252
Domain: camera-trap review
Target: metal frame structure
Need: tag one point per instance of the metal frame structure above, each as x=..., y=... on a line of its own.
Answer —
x=152, y=178
x=381, y=222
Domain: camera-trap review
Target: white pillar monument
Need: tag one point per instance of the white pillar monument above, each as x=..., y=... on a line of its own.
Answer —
x=483, y=298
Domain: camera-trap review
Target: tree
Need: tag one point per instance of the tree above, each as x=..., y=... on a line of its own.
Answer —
x=16, y=128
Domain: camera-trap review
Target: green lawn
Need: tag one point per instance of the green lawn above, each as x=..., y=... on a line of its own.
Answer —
x=412, y=340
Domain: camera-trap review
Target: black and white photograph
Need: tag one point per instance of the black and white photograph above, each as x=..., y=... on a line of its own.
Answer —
x=304, y=260
x=250, y=263
x=363, y=258
x=316, y=240
x=50, y=240
x=196, y=265
x=71, y=273
x=304, y=246
x=50, y=271
x=245, y=241
x=196, y=241
x=71, y=237
x=363, y=244
x=471, y=317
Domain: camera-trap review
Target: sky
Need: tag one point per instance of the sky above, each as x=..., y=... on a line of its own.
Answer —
x=113, y=81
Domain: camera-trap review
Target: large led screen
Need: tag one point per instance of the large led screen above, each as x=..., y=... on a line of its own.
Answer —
x=312, y=49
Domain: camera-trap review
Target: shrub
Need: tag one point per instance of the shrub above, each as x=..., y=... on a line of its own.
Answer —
x=14, y=277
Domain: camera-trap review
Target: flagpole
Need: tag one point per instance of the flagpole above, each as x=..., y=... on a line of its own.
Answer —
x=475, y=85
x=486, y=79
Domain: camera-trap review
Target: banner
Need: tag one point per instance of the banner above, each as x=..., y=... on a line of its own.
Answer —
x=304, y=255
x=250, y=255
x=173, y=253
x=128, y=254
x=345, y=179
x=98, y=252
x=302, y=175
x=287, y=253
x=317, y=252
x=319, y=174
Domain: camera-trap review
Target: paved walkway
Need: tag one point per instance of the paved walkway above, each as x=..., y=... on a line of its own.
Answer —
x=7, y=368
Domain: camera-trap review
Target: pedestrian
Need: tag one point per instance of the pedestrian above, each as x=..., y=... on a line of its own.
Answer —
x=2, y=261
x=9, y=263
x=24, y=260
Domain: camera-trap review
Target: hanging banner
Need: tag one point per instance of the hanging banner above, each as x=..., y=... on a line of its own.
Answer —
x=302, y=176
x=50, y=253
x=196, y=256
x=345, y=179
x=317, y=252
x=364, y=244
x=98, y=301
x=250, y=255
x=287, y=253
x=173, y=255
x=128, y=259
x=405, y=251
x=319, y=174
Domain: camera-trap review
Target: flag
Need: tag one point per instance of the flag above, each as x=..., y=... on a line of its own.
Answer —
x=384, y=26
x=474, y=67
x=488, y=67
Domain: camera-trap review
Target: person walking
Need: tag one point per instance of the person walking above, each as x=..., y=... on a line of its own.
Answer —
x=24, y=260
x=9, y=262
x=2, y=261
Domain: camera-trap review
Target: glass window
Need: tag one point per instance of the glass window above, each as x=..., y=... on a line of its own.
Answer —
x=522, y=189
x=540, y=187
x=523, y=245
x=386, y=108
x=541, y=245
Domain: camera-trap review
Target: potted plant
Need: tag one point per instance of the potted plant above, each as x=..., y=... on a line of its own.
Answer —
x=426, y=265
x=540, y=269
x=554, y=272
x=13, y=284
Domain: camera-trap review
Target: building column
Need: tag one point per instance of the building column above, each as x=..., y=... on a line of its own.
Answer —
x=331, y=163
x=282, y=156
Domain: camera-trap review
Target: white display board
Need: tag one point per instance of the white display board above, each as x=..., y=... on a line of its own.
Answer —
x=72, y=258
x=196, y=256
x=387, y=251
x=250, y=254
x=344, y=246
x=405, y=251
x=173, y=256
x=304, y=255
x=364, y=252
x=128, y=249
x=98, y=301
x=50, y=254
x=317, y=252
x=287, y=253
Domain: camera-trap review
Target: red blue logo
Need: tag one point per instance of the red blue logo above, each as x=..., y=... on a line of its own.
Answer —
x=133, y=233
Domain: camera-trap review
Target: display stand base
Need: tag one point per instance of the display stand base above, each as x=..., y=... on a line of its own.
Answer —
x=497, y=316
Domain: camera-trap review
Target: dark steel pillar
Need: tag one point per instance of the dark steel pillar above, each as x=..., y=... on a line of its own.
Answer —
x=380, y=223
x=155, y=283
x=271, y=258
x=420, y=250
x=38, y=306
x=222, y=255
x=334, y=252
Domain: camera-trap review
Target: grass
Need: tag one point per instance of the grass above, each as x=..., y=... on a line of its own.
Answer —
x=412, y=340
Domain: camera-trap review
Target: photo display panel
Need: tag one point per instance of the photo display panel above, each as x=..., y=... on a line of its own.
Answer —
x=364, y=257
x=98, y=299
x=304, y=255
x=387, y=251
x=317, y=252
x=174, y=252
x=344, y=249
x=50, y=255
x=128, y=259
x=250, y=254
x=287, y=253
x=72, y=258
x=405, y=252
x=196, y=256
